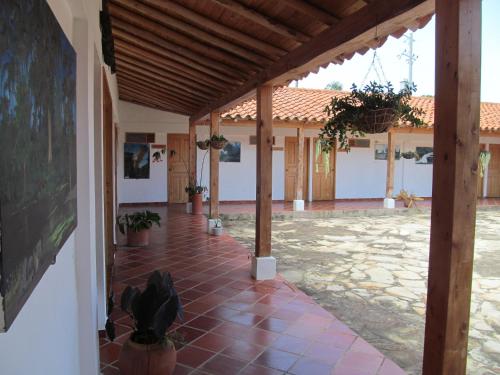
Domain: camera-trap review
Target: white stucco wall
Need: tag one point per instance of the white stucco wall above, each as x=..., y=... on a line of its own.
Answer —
x=56, y=330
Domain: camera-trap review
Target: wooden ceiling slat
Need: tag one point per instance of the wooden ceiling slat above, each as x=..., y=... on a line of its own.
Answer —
x=218, y=28
x=263, y=20
x=177, y=40
x=126, y=97
x=151, y=78
x=176, y=79
x=164, y=78
x=195, y=32
x=355, y=28
x=148, y=83
x=139, y=42
x=141, y=93
x=312, y=11
x=174, y=67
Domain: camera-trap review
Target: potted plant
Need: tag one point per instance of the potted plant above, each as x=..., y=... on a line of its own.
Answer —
x=149, y=350
x=217, y=230
x=409, y=200
x=195, y=193
x=203, y=145
x=218, y=142
x=373, y=109
x=409, y=155
x=137, y=226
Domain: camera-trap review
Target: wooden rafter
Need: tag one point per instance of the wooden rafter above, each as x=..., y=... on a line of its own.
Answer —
x=312, y=11
x=262, y=20
x=358, y=26
x=153, y=94
x=140, y=94
x=178, y=41
x=150, y=104
x=167, y=64
x=195, y=32
x=220, y=74
x=218, y=28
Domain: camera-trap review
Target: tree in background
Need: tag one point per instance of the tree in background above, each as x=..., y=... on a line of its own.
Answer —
x=334, y=85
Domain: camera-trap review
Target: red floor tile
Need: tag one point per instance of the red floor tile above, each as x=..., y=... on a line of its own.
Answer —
x=234, y=324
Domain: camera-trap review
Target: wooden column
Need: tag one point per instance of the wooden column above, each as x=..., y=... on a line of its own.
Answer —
x=456, y=147
x=299, y=183
x=391, y=150
x=214, y=168
x=192, y=152
x=264, y=170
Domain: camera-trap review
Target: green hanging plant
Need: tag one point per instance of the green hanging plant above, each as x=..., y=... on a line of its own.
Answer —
x=484, y=160
x=322, y=150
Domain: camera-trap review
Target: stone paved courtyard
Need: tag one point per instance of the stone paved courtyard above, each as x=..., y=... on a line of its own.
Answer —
x=371, y=273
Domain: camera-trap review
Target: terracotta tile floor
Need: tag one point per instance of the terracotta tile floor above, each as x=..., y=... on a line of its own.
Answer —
x=340, y=204
x=233, y=324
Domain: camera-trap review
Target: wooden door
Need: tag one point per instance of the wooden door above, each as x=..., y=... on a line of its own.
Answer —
x=178, y=158
x=323, y=180
x=494, y=172
x=291, y=159
x=108, y=180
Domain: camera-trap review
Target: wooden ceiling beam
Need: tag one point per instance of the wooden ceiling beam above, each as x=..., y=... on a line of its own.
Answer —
x=180, y=42
x=153, y=79
x=312, y=11
x=126, y=97
x=174, y=67
x=128, y=65
x=132, y=81
x=197, y=33
x=329, y=44
x=263, y=20
x=132, y=39
x=218, y=28
x=139, y=92
x=155, y=85
x=175, y=79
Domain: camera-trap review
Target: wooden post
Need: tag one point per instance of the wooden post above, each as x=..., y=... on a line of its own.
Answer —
x=391, y=150
x=192, y=152
x=264, y=170
x=456, y=147
x=214, y=168
x=299, y=183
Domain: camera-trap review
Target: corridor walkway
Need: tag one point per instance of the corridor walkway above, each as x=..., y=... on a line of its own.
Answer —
x=234, y=324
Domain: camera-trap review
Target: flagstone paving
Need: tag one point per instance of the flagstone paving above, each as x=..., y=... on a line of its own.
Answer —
x=371, y=273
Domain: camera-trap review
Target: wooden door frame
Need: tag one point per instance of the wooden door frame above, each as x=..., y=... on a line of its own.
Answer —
x=333, y=153
x=307, y=169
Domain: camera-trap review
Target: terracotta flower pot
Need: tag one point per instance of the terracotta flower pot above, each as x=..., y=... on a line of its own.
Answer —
x=197, y=204
x=140, y=238
x=138, y=359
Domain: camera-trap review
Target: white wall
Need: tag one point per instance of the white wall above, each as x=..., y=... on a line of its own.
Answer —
x=56, y=331
x=135, y=118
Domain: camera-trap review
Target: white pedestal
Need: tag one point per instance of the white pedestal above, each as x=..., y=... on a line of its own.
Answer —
x=263, y=268
x=189, y=207
x=298, y=205
x=211, y=223
x=389, y=203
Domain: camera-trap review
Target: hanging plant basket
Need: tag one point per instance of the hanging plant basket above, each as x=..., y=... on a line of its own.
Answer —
x=218, y=145
x=378, y=120
x=203, y=145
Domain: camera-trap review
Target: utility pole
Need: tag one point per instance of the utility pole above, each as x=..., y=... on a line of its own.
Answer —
x=410, y=57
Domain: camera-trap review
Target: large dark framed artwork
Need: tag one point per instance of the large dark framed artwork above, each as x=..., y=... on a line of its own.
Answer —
x=231, y=153
x=37, y=148
x=136, y=160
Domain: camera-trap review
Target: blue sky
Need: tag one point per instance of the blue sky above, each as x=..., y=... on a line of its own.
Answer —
x=396, y=69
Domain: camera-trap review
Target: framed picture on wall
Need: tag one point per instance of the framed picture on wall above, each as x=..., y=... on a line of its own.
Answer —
x=231, y=153
x=425, y=155
x=381, y=152
x=136, y=160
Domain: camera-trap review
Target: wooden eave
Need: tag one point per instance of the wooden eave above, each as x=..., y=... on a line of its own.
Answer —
x=194, y=57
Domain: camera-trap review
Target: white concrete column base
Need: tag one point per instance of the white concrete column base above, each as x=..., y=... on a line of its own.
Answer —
x=263, y=268
x=389, y=203
x=298, y=205
x=189, y=207
x=211, y=223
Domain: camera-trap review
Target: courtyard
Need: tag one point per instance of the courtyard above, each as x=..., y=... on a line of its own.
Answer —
x=370, y=271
